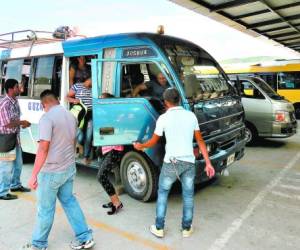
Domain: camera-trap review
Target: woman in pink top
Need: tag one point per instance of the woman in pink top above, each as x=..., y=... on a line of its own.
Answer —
x=112, y=156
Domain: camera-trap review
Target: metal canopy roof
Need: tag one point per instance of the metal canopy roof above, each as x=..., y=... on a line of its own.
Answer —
x=278, y=20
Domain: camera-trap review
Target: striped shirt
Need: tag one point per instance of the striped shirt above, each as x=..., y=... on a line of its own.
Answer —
x=83, y=94
x=9, y=111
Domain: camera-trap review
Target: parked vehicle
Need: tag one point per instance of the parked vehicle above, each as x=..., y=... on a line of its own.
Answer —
x=267, y=114
x=115, y=61
x=282, y=75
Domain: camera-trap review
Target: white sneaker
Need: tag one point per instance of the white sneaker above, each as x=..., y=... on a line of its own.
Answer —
x=76, y=245
x=157, y=232
x=187, y=233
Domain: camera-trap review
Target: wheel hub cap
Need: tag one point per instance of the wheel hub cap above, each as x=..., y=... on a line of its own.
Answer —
x=136, y=177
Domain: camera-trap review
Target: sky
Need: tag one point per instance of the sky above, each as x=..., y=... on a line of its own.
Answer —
x=99, y=17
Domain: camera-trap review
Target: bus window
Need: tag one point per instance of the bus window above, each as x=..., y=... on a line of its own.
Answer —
x=25, y=78
x=200, y=76
x=3, y=67
x=250, y=91
x=134, y=75
x=14, y=69
x=141, y=80
x=269, y=78
x=43, y=75
x=19, y=70
x=56, y=82
x=290, y=80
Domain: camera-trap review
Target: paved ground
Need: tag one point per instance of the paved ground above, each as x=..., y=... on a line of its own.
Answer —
x=256, y=207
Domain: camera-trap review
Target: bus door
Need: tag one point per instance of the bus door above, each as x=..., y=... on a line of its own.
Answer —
x=122, y=119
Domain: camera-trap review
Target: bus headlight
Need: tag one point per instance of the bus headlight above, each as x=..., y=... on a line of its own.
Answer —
x=208, y=148
x=282, y=116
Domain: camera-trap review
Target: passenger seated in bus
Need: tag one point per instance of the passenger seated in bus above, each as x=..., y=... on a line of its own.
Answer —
x=154, y=88
x=126, y=87
x=138, y=85
x=23, y=86
x=80, y=72
x=112, y=157
x=79, y=93
x=141, y=90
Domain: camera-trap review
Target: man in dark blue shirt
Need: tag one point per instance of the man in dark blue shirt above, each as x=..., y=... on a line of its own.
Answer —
x=153, y=88
x=158, y=87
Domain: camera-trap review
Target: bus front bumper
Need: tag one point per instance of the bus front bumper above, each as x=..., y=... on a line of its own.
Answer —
x=220, y=160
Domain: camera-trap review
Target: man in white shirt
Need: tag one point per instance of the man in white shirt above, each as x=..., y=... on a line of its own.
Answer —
x=179, y=126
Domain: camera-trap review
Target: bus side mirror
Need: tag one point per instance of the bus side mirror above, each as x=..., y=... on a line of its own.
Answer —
x=238, y=86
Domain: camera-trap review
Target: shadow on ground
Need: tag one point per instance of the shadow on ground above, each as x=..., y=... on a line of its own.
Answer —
x=270, y=143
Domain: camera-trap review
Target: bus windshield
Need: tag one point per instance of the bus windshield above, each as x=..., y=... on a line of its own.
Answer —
x=200, y=76
x=266, y=88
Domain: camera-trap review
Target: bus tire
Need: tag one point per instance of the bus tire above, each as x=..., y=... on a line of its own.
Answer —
x=251, y=134
x=139, y=177
x=297, y=110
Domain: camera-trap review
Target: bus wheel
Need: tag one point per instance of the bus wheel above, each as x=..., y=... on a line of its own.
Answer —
x=139, y=177
x=250, y=134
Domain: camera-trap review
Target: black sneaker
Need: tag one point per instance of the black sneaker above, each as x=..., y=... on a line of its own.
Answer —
x=9, y=197
x=82, y=245
x=20, y=189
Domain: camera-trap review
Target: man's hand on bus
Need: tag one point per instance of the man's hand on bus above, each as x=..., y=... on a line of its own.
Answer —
x=33, y=182
x=148, y=144
x=210, y=171
x=138, y=146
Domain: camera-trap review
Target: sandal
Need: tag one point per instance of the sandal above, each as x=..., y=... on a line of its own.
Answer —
x=108, y=205
x=115, y=209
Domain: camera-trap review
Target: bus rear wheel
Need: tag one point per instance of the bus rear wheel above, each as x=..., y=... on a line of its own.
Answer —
x=139, y=177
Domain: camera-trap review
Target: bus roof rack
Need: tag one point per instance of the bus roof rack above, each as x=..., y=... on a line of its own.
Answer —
x=26, y=38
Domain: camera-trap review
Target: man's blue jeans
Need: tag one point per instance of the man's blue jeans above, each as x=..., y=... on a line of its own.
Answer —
x=58, y=185
x=85, y=138
x=5, y=176
x=168, y=175
x=17, y=169
x=10, y=173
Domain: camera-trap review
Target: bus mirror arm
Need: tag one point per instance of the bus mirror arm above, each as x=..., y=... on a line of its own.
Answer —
x=238, y=86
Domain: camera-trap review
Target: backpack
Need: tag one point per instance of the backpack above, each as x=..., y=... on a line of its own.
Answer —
x=79, y=111
x=62, y=32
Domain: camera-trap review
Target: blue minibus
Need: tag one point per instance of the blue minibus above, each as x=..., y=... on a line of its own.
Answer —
x=115, y=62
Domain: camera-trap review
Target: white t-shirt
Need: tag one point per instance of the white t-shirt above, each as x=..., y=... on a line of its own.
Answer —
x=179, y=126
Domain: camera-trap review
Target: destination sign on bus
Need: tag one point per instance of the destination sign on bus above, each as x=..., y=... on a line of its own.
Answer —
x=138, y=52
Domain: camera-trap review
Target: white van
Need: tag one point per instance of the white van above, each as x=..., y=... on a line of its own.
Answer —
x=266, y=113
